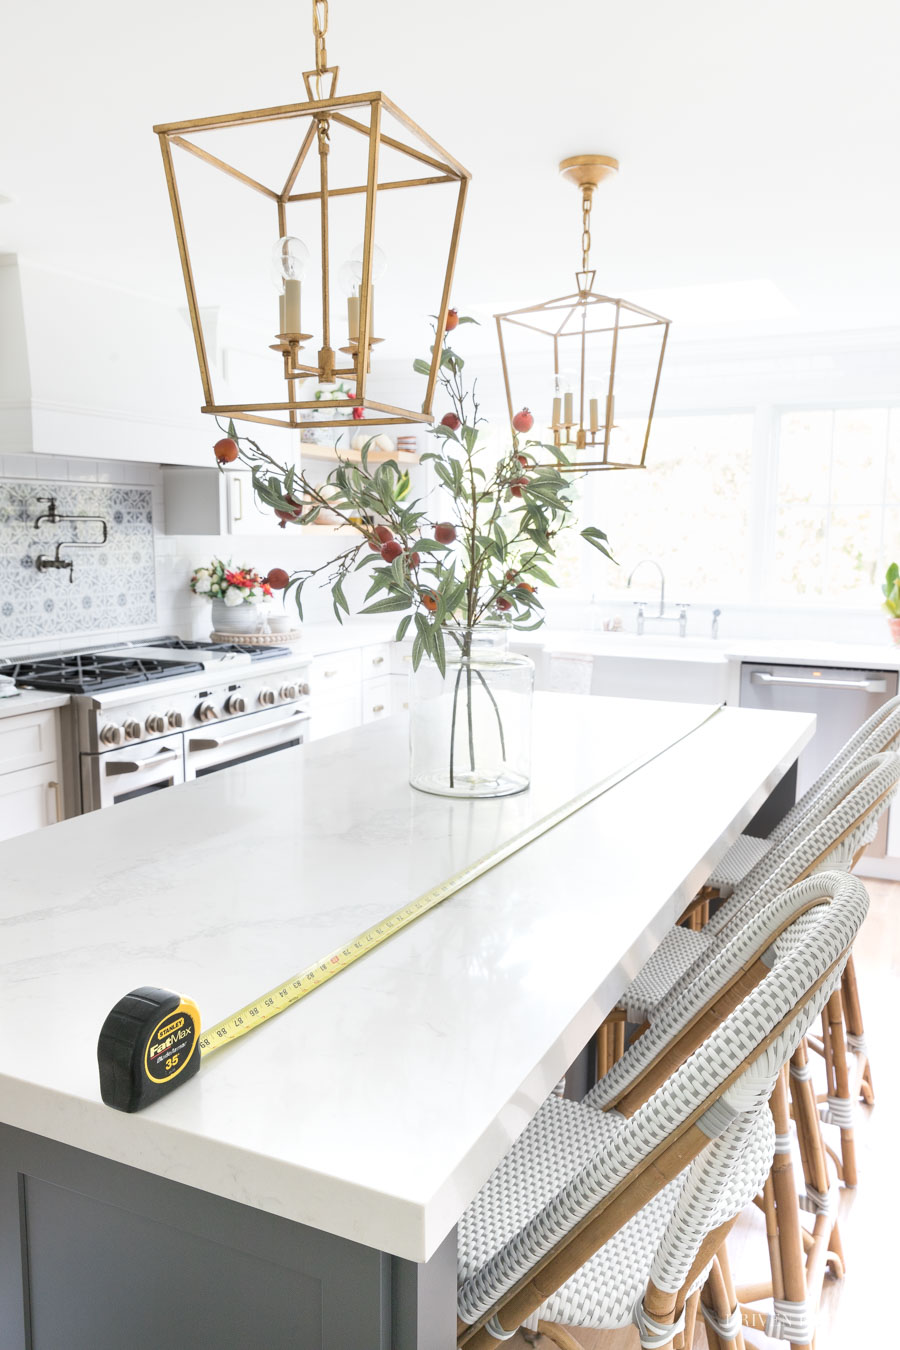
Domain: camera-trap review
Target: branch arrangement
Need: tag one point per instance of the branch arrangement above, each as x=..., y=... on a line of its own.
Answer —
x=481, y=563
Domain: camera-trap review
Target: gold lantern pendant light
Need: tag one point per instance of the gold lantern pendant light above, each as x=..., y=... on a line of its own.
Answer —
x=318, y=120
x=605, y=343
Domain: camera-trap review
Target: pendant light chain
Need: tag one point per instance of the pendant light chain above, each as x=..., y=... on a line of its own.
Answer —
x=586, y=204
x=320, y=28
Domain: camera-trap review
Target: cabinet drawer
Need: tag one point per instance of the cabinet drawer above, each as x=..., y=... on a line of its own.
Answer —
x=333, y=670
x=376, y=660
x=377, y=699
x=29, y=800
x=401, y=658
x=27, y=739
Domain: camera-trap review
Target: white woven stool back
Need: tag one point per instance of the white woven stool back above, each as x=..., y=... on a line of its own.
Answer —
x=726, y=1081
x=879, y=732
x=845, y=814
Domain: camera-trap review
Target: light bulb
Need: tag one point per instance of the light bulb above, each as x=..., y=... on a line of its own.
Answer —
x=289, y=259
x=379, y=262
x=562, y=402
x=349, y=277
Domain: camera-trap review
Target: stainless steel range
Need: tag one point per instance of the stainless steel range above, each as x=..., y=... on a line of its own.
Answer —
x=143, y=717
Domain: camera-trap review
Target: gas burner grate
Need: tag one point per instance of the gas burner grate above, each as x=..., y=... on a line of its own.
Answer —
x=85, y=672
x=255, y=652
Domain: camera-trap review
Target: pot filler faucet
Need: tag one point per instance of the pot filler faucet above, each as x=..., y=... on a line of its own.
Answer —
x=680, y=618
x=42, y=562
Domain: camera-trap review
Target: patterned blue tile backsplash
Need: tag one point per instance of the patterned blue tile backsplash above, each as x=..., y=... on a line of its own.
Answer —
x=112, y=587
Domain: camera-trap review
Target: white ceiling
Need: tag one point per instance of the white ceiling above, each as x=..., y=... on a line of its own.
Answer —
x=758, y=142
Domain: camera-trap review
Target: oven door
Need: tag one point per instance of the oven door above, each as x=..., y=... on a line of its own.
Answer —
x=131, y=771
x=209, y=749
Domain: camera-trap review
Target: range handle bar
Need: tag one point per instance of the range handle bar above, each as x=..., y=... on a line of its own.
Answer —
x=209, y=743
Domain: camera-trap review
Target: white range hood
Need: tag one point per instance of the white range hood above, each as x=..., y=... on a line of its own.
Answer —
x=93, y=370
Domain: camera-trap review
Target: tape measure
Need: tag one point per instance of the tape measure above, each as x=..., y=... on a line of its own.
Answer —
x=150, y=1042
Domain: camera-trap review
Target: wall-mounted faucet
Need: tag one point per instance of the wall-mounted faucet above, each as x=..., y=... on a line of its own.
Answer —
x=680, y=618
x=42, y=562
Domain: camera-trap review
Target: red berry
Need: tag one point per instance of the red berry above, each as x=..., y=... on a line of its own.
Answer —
x=516, y=490
x=524, y=586
x=391, y=550
x=414, y=560
x=503, y=603
x=451, y=420
x=445, y=534
x=358, y=414
x=429, y=601
x=278, y=578
x=374, y=546
x=383, y=534
x=452, y=320
x=226, y=451
x=511, y=576
x=523, y=461
x=523, y=421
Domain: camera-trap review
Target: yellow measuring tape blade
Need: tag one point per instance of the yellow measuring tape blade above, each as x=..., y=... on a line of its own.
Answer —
x=320, y=972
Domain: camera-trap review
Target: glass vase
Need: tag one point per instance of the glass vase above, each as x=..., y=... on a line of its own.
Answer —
x=470, y=729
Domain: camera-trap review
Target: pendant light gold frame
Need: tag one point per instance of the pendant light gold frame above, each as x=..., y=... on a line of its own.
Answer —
x=575, y=318
x=319, y=114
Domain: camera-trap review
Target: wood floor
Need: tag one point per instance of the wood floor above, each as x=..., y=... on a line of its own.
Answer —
x=860, y=1309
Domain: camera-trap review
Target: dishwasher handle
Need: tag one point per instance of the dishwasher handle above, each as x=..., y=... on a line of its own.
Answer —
x=810, y=682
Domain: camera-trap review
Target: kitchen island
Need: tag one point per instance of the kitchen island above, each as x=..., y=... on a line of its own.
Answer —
x=302, y=1190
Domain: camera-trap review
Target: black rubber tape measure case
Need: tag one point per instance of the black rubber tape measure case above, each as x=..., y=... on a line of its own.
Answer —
x=148, y=1041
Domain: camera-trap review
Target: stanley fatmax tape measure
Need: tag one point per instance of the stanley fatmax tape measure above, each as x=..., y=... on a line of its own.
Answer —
x=151, y=1041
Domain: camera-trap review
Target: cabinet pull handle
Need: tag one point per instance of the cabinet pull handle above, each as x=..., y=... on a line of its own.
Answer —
x=813, y=682
x=58, y=800
x=328, y=674
x=377, y=660
x=378, y=707
x=237, y=490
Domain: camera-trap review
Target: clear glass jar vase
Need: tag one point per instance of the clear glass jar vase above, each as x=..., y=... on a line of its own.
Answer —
x=470, y=729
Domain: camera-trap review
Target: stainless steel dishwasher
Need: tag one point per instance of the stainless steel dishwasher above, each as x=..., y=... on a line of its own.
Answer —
x=841, y=698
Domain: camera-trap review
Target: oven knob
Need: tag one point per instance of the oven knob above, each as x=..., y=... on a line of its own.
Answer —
x=235, y=703
x=111, y=734
x=266, y=697
x=175, y=720
x=132, y=730
x=302, y=688
x=206, y=713
x=288, y=691
x=155, y=724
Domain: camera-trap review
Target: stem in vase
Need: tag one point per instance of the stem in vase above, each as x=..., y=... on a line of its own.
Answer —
x=453, y=721
x=469, y=715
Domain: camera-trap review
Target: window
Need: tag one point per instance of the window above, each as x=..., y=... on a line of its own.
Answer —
x=690, y=509
x=837, y=504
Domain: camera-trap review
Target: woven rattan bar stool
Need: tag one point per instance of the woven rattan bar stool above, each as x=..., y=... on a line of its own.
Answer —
x=798, y=1257
x=878, y=733
x=608, y=1212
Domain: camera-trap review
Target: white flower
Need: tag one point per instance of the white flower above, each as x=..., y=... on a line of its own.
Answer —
x=202, y=582
x=256, y=593
x=234, y=596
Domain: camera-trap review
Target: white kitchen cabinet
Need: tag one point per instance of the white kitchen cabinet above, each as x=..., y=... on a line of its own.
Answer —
x=30, y=783
x=207, y=501
x=29, y=800
x=377, y=699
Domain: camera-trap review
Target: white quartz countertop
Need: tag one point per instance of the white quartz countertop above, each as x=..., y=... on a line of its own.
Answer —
x=30, y=701
x=376, y=1107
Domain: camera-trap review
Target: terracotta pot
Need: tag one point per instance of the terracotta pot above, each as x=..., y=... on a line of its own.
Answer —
x=894, y=626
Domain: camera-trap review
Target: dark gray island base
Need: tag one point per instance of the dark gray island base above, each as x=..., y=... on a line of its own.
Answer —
x=95, y=1255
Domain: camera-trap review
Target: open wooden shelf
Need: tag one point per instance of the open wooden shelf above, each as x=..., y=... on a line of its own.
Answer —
x=313, y=450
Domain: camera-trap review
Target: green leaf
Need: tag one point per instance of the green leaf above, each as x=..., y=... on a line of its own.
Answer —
x=337, y=591
x=391, y=604
x=401, y=630
x=418, y=651
x=232, y=431
x=440, y=655
x=464, y=318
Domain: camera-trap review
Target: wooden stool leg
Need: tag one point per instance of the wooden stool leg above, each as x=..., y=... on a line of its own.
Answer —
x=856, y=1036
x=559, y=1336
x=603, y=1060
x=840, y=1104
x=690, y=1320
x=791, y=1262
x=719, y=1297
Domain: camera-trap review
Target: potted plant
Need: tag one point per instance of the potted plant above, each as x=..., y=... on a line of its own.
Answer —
x=891, y=592
x=461, y=577
x=237, y=595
